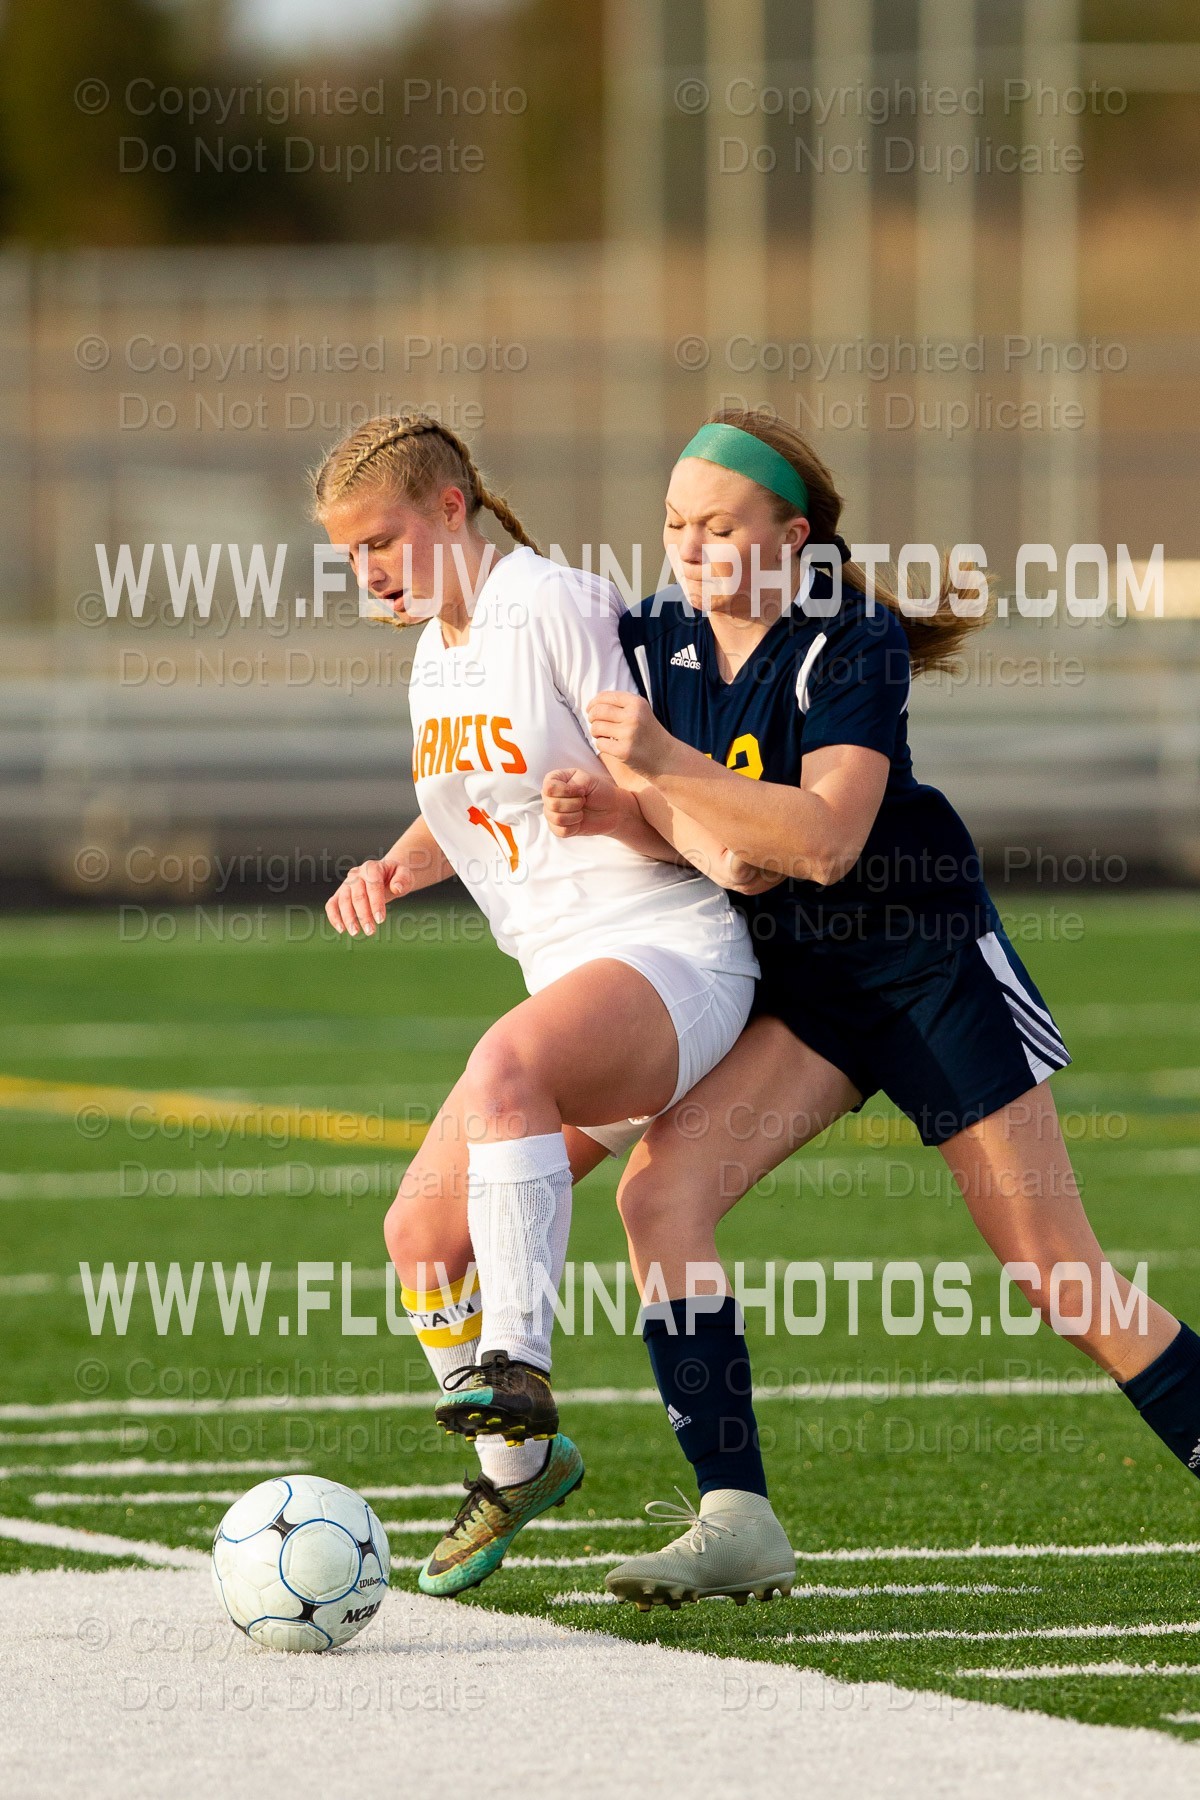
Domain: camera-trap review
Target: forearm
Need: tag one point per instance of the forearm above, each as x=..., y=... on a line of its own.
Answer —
x=419, y=854
x=636, y=829
x=696, y=845
x=778, y=828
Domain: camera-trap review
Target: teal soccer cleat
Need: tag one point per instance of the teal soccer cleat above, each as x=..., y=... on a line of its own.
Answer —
x=490, y=1517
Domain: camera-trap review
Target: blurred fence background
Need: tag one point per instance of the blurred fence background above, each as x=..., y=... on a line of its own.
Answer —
x=957, y=244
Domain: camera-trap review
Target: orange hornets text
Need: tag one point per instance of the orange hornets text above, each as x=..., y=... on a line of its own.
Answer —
x=471, y=741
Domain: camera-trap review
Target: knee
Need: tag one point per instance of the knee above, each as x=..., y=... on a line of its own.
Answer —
x=415, y=1230
x=499, y=1080
x=402, y=1232
x=649, y=1207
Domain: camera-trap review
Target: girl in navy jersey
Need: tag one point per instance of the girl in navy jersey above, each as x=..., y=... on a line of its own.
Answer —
x=772, y=712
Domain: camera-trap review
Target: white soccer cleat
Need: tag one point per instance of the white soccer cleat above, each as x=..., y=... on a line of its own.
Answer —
x=734, y=1546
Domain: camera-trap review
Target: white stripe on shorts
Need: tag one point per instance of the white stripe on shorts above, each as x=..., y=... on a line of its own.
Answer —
x=1044, y=1049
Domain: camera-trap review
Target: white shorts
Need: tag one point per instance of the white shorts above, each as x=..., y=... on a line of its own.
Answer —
x=708, y=1009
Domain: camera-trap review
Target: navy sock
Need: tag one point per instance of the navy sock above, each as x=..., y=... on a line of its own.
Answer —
x=704, y=1380
x=1167, y=1395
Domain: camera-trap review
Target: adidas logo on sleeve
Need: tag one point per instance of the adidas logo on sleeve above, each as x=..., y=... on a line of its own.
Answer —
x=686, y=658
x=677, y=1419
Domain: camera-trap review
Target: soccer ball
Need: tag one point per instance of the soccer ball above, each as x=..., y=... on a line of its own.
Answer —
x=300, y=1563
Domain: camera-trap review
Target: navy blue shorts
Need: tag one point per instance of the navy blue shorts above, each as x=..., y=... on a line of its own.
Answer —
x=949, y=1035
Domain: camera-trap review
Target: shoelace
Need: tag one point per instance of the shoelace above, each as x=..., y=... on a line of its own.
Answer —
x=491, y=1373
x=478, y=1488
x=701, y=1528
x=462, y=1377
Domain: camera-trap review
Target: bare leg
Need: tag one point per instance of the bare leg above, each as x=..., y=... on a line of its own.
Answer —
x=1016, y=1177
x=595, y=1046
x=426, y=1224
x=769, y=1096
x=493, y=1184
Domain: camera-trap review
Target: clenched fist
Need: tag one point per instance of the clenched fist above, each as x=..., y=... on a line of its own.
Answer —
x=624, y=727
x=582, y=803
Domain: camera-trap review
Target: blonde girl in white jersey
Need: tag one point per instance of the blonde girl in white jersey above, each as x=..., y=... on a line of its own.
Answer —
x=639, y=971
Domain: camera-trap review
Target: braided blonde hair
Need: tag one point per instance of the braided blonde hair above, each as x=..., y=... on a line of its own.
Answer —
x=415, y=456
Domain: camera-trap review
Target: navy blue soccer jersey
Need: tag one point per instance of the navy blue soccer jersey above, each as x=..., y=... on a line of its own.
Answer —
x=818, y=678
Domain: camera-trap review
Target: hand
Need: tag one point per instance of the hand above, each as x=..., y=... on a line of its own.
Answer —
x=363, y=897
x=743, y=877
x=625, y=728
x=582, y=803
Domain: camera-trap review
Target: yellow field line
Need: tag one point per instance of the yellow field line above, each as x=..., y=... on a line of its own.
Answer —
x=96, y=1108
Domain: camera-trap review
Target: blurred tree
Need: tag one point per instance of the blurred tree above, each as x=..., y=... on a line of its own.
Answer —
x=523, y=86
x=64, y=65
x=80, y=164
x=559, y=48
x=535, y=142
x=520, y=85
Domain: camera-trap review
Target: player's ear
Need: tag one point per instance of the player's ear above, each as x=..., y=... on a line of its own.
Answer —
x=797, y=534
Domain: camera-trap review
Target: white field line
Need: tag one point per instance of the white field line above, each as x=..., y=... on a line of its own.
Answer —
x=822, y=1590
x=141, y=1465
x=1182, y=1718
x=97, y=1039
x=528, y=1562
x=986, y=1552
x=1054, y=1671
x=1148, y=1018
x=33, y=1284
x=920, y=1553
x=98, y=1543
x=29, y=1440
x=367, y=1180
x=301, y=1180
x=999, y=1387
x=819, y=1591
x=1182, y=1161
x=999, y=1552
x=401, y=1527
x=1185, y=1628
x=94, y=1040
x=1128, y=1085
x=163, y=1497
x=983, y=1552
x=420, y=1490
x=842, y=1554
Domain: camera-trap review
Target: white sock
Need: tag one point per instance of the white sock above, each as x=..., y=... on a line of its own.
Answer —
x=519, y=1216
x=507, y=1464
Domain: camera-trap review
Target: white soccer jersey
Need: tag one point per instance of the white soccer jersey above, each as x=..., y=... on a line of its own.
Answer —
x=490, y=719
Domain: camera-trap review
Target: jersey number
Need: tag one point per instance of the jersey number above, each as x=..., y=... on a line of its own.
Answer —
x=745, y=757
x=499, y=832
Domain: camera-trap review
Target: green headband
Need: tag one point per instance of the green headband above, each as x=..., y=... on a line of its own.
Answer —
x=732, y=448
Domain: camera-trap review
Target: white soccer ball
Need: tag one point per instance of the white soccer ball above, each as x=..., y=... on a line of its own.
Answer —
x=301, y=1563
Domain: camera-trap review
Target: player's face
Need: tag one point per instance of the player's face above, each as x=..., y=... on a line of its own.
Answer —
x=393, y=549
x=721, y=527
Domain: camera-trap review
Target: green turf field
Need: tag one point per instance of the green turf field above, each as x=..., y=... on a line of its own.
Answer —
x=380, y=1029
